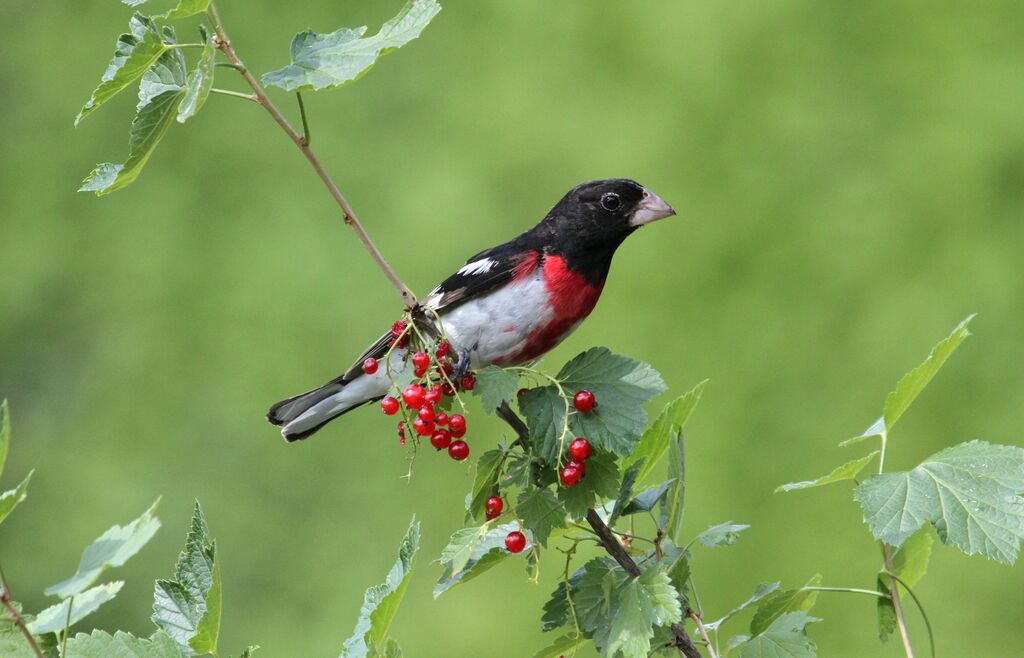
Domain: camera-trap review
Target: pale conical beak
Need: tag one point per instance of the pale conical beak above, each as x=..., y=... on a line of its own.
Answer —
x=652, y=208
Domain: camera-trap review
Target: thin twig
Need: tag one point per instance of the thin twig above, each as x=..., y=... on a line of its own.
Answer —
x=305, y=122
x=16, y=618
x=615, y=549
x=894, y=596
x=695, y=616
x=222, y=43
x=920, y=608
x=228, y=92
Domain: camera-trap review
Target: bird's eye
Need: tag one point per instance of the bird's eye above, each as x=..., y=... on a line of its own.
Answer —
x=610, y=201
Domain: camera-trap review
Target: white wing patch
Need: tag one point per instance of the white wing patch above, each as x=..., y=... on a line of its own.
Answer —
x=482, y=266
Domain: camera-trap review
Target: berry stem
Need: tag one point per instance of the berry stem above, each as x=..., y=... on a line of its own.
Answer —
x=222, y=43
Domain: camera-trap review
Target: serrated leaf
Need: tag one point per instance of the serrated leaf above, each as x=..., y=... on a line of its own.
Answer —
x=111, y=549
x=12, y=642
x=762, y=590
x=969, y=492
x=541, y=513
x=781, y=602
x=639, y=606
x=325, y=61
x=625, y=492
x=647, y=499
x=199, y=84
x=592, y=595
x=784, y=638
x=380, y=603
x=911, y=384
x=672, y=505
x=472, y=551
x=485, y=484
x=668, y=425
x=100, y=644
x=677, y=563
x=723, y=534
x=54, y=618
x=185, y=9
x=495, y=385
x=601, y=481
x=877, y=428
x=620, y=385
x=885, y=611
x=134, y=52
x=566, y=644
x=5, y=434
x=204, y=640
x=12, y=498
x=180, y=605
x=847, y=471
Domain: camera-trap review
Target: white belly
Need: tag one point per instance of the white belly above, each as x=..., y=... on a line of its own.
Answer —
x=499, y=323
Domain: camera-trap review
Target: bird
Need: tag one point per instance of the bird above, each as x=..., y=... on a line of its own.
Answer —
x=508, y=305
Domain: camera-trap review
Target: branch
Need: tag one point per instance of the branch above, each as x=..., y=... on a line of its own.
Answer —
x=19, y=621
x=222, y=43
x=705, y=640
x=894, y=595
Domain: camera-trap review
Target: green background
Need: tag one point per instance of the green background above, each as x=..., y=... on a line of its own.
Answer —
x=849, y=179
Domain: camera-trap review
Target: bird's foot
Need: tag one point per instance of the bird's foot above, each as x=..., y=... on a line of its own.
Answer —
x=461, y=364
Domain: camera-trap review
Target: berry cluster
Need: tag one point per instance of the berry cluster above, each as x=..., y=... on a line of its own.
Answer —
x=571, y=473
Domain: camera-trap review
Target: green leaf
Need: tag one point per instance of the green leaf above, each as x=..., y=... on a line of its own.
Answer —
x=495, y=385
x=621, y=387
x=784, y=638
x=877, y=428
x=638, y=606
x=134, y=53
x=186, y=8
x=5, y=434
x=111, y=549
x=100, y=644
x=625, y=492
x=911, y=384
x=11, y=499
x=556, y=610
x=208, y=629
x=723, y=534
x=541, y=513
x=592, y=595
x=200, y=81
x=567, y=644
x=472, y=551
x=762, y=590
x=12, y=641
x=54, y=618
x=847, y=471
x=667, y=427
x=180, y=605
x=601, y=481
x=380, y=603
x=647, y=499
x=910, y=563
x=678, y=566
x=672, y=505
x=969, y=492
x=781, y=602
x=485, y=484
x=134, y=3
x=324, y=61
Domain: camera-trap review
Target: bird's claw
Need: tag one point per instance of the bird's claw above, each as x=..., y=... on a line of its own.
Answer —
x=461, y=364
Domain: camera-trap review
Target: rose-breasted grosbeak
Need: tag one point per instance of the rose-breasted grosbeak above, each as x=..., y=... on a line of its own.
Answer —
x=507, y=305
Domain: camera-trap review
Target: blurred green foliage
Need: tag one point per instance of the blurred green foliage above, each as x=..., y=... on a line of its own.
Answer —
x=850, y=183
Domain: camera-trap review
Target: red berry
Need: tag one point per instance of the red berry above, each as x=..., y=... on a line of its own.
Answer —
x=521, y=392
x=468, y=382
x=579, y=466
x=401, y=433
x=426, y=413
x=441, y=439
x=447, y=367
x=421, y=360
x=423, y=427
x=515, y=542
x=413, y=396
x=570, y=475
x=418, y=373
x=447, y=390
x=493, y=507
x=457, y=424
x=389, y=405
x=579, y=449
x=442, y=349
x=583, y=401
x=432, y=396
x=458, y=450
x=441, y=418
x=370, y=366
x=397, y=329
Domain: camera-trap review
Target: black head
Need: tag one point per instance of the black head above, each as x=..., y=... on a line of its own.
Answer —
x=594, y=218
